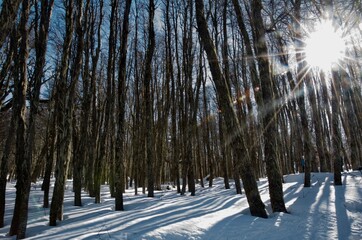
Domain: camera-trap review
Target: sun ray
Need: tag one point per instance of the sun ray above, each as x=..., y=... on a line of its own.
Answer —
x=325, y=46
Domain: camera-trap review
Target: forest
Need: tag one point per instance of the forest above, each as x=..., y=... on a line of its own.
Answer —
x=136, y=94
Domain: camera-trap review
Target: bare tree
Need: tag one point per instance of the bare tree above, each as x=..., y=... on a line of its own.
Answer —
x=5, y=160
x=119, y=184
x=270, y=130
x=303, y=77
x=80, y=136
x=23, y=162
x=335, y=128
x=148, y=127
x=63, y=116
x=257, y=207
x=9, y=10
x=109, y=102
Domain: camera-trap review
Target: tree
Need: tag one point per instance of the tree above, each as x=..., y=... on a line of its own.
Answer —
x=109, y=102
x=335, y=128
x=9, y=10
x=51, y=140
x=9, y=141
x=22, y=161
x=225, y=53
x=257, y=207
x=95, y=34
x=270, y=130
x=148, y=128
x=189, y=108
x=64, y=113
x=138, y=148
x=303, y=77
x=119, y=183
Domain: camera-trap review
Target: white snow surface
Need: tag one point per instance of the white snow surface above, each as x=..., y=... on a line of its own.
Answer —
x=322, y=211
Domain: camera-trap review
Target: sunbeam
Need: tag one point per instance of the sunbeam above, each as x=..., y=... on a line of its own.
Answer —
x=325, y=46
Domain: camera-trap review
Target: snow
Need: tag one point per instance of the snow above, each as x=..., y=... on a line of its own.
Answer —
x=323, y=211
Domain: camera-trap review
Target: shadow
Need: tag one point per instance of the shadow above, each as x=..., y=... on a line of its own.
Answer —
x=142, y=215
x=343, y=223
x=323, y=211
x=320, y=212
x=237, y=227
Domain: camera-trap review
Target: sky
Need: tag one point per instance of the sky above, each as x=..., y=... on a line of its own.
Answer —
x=323, y=211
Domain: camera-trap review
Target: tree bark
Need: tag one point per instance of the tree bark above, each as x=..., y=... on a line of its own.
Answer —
x=225, y=50
x=119, y=166
x=8, y=14
x=148, y=99
x=336, y=132
x=109, y=102
x=302, y=77
x=23, y=162
x=93, y=140
x=136, y=139
x=63, y=122
x=257, y=207
x=7, y=148
x=269, y=118
x=52, y=136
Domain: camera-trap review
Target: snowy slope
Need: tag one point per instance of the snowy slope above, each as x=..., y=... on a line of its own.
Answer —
x=323, y=211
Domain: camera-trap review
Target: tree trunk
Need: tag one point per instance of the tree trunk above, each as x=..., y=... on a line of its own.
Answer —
x=352, y=109
x=23, y=161
x=6, y=70
x=225, y=50
x=109, y=102
x=52, y=136
x=336, y=133
x=303, y=77
x=148, y=100
x=136, y=139
x=8, y=15
x=63, y=122
x=119, y=166
x=5, y=166
x=7, y=148
x=269, y=118
x=93, y=140
x=257, y=207
x=80, y=136
x=249, y=51
x=41, y=42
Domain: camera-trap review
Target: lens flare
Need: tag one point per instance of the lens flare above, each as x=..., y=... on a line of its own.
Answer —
x=325, y=46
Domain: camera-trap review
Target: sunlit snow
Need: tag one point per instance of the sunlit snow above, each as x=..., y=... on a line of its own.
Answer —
x=323, y=211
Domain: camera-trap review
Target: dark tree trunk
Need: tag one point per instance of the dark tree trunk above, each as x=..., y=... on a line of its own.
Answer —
x=257, y=207
x=22, y=160
x=225, y=50
x=49, y=159
x=7, y=148
x=303, y=77
x=249, y=51
x=109, y=102
x=8, y=14
x=137, y=148
x=63, y=122
x=41, y=47
x=80, y=136
x=5, y=167
x=269, y=118
x=119, y=166
x=336, y=132
x=93, y=133
x=148, y=99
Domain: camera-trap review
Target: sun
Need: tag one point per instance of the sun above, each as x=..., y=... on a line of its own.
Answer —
x=325, y=46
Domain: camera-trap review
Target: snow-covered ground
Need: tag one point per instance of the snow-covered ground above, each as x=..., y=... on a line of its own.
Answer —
x=323, y=211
